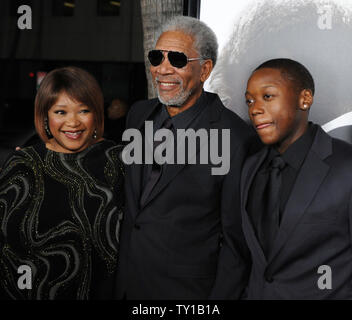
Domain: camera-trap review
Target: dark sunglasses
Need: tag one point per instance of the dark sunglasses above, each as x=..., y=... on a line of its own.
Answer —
x=177, y=59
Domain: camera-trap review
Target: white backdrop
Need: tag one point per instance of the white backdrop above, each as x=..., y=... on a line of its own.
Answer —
x=317, y=33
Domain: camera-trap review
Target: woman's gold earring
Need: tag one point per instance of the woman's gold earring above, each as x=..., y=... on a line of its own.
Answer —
x=95, y=134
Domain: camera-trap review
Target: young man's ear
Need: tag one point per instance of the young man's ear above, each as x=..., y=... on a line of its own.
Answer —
x=305, y=99
x=207, y=67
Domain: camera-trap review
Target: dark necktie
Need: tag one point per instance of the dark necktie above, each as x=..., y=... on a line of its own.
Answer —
x=156, y=171
x=271, y=217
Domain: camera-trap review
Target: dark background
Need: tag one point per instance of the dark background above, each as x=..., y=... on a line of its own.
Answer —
x=101, y=36
x=104, y=39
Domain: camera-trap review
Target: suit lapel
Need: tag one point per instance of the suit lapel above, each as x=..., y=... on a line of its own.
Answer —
x=250, y=169
x=309, y=179
x=207, y=118
x=146, y=114
x=136, y=170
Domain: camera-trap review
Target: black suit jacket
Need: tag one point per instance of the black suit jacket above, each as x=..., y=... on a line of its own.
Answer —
x=187, y=241
x=315, y=228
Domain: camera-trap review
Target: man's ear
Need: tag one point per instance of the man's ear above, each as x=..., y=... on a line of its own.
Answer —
x=305, y=99
x=207, y=67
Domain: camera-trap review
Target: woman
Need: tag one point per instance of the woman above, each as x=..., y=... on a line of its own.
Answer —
x=61, y=200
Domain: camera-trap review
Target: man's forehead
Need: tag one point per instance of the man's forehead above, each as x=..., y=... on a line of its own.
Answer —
x=176, y=38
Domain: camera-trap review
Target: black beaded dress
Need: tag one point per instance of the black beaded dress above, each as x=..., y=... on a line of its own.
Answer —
x=60, y=216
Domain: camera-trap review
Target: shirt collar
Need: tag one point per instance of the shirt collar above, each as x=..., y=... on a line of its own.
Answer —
x=297, y=151
x=185, y=118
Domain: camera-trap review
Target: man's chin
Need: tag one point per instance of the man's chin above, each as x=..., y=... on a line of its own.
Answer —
x=177, y=101
x=171, y=102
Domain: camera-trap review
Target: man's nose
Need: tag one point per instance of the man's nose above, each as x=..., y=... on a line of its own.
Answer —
x=165, y=67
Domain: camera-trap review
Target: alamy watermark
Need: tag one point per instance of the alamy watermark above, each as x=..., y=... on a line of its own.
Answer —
x=25, y=280
x=186, y=144
x=25, y=20
x=325, y=17
x=325, y=280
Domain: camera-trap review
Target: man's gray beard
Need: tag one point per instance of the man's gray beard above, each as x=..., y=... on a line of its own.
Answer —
x=176, y=101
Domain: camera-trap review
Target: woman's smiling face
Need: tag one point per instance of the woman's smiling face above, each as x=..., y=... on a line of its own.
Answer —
x=72, y=125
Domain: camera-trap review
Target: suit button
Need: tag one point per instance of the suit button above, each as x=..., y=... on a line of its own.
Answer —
x=269, y=279
x=137, y=226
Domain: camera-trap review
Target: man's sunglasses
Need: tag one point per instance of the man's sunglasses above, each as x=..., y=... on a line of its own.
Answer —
x=177, y=59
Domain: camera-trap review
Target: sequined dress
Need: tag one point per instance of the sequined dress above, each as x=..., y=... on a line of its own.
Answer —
x=60, y=215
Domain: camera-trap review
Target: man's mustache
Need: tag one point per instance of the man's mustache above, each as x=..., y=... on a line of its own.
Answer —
x=168, y=79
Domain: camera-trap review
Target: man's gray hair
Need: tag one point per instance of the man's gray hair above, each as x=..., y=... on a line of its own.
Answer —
x=205, y=41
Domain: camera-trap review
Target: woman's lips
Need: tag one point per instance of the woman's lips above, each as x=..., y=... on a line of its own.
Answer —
x=73, y=135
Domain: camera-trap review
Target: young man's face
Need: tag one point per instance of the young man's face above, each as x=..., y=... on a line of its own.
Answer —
x=273, y=107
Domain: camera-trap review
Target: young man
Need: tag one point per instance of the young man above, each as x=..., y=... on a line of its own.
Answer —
x=296, y=192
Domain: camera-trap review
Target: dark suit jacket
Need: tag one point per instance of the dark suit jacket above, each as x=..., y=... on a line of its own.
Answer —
x=187, y=241
x=315, y=228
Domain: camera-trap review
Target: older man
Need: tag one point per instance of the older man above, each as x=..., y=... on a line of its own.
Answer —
x=181, y=237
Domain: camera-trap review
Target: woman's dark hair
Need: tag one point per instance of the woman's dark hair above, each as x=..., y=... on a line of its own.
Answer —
x=79, y=85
